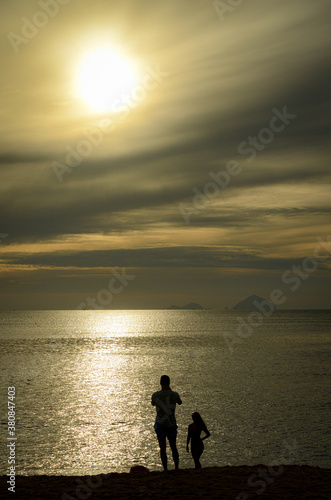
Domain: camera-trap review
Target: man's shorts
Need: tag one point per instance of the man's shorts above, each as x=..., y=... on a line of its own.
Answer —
x=162, y=431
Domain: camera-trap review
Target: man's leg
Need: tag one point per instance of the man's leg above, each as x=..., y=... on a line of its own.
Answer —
x=163, y=453
x=175, y=456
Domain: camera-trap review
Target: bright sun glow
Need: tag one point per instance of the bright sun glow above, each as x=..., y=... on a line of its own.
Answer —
x=106, y=80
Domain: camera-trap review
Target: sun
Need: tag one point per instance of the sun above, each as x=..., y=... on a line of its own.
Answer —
x=106, y=79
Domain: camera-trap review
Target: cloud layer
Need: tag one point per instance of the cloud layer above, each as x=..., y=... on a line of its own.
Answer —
x=121, y=205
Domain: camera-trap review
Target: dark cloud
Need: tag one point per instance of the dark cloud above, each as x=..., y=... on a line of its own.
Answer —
x=178, y=257
x=48, y=216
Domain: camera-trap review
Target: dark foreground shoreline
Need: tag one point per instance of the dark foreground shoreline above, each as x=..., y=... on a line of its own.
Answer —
x=290, y=482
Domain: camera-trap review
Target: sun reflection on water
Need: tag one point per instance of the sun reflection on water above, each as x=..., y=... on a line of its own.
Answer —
x=84, y=381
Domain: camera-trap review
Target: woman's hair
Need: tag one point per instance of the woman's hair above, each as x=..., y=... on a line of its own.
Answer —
x=197, y=419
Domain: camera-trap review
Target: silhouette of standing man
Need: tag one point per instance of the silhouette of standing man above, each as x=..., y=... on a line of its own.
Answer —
x=165, y=423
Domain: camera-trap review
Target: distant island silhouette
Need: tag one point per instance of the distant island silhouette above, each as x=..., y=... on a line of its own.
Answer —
x=251, y=304
x=192, y=306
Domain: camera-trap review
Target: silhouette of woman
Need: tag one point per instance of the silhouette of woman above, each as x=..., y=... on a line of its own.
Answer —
x=193, y=434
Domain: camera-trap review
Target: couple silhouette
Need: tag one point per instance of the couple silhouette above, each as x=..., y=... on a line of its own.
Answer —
x=165, y=425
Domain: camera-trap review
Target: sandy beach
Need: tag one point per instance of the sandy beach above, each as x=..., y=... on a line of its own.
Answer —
x=290, y=482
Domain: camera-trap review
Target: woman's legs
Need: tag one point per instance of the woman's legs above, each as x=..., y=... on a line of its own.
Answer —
x=196, y=450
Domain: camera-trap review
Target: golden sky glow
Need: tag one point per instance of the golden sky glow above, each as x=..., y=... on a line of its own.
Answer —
x=116, y=117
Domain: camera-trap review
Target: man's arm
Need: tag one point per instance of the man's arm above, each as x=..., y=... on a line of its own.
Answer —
x=153, y=402
x=179, y=401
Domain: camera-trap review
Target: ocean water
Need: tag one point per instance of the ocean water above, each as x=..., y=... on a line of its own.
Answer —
x=84, y=379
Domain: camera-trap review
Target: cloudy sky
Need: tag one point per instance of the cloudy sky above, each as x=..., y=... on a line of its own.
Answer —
x=196, y=158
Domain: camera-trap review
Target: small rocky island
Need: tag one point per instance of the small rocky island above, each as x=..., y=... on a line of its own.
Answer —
x=253, y=303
